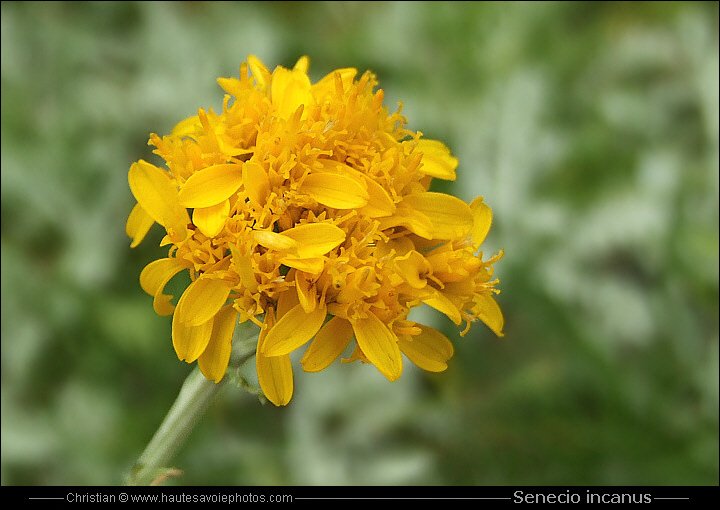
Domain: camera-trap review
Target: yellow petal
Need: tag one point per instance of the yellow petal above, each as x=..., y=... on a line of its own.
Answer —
x=414, y=221
x=259, y=71
x=190, y=341
x=356, y=355
x=201, y=301
x=227, y=147
x=211, y=185
x=306, y=291
x=290, y=88
x=487, y=309
x=244, y=268
x=162, y=304
x=158, y=196
x=153, y=279
x=326, y=85
x=451, y=218
x=275, y=373
x=379, y=345
x=213, y=362
x=275, y=241
x=379, y=203
x=157, y=273
x=257, y=183
x=441, y=303
x=430, y=350
x=335, y=190
x=313, y=265
x=138, y=224
x=302, y=64
x=293, y=329
x=189, y=127
x=288, y=299
x=413, y=267
x=329, y=343
x=437, y=160
x=400, y=245
x=275, y=378
x=211, y=220
x=482, y=219
x=315, y=239
x=231, y=85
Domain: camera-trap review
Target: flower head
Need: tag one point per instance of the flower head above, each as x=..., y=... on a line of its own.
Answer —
x=305, y=209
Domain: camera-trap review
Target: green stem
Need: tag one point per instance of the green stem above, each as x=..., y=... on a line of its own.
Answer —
x=196, y=395
x=194, y=398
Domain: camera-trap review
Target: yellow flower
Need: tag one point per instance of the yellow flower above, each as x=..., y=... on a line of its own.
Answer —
x=305, y=209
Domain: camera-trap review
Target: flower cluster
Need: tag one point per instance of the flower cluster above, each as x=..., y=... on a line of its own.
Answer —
x=305, y=209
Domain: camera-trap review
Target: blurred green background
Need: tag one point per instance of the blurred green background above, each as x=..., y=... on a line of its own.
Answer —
x=591, y=129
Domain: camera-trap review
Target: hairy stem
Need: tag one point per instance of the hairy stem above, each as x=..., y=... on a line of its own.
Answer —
x=196, y=395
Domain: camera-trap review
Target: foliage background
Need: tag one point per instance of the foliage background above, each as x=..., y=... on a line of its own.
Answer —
x=590, y=128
